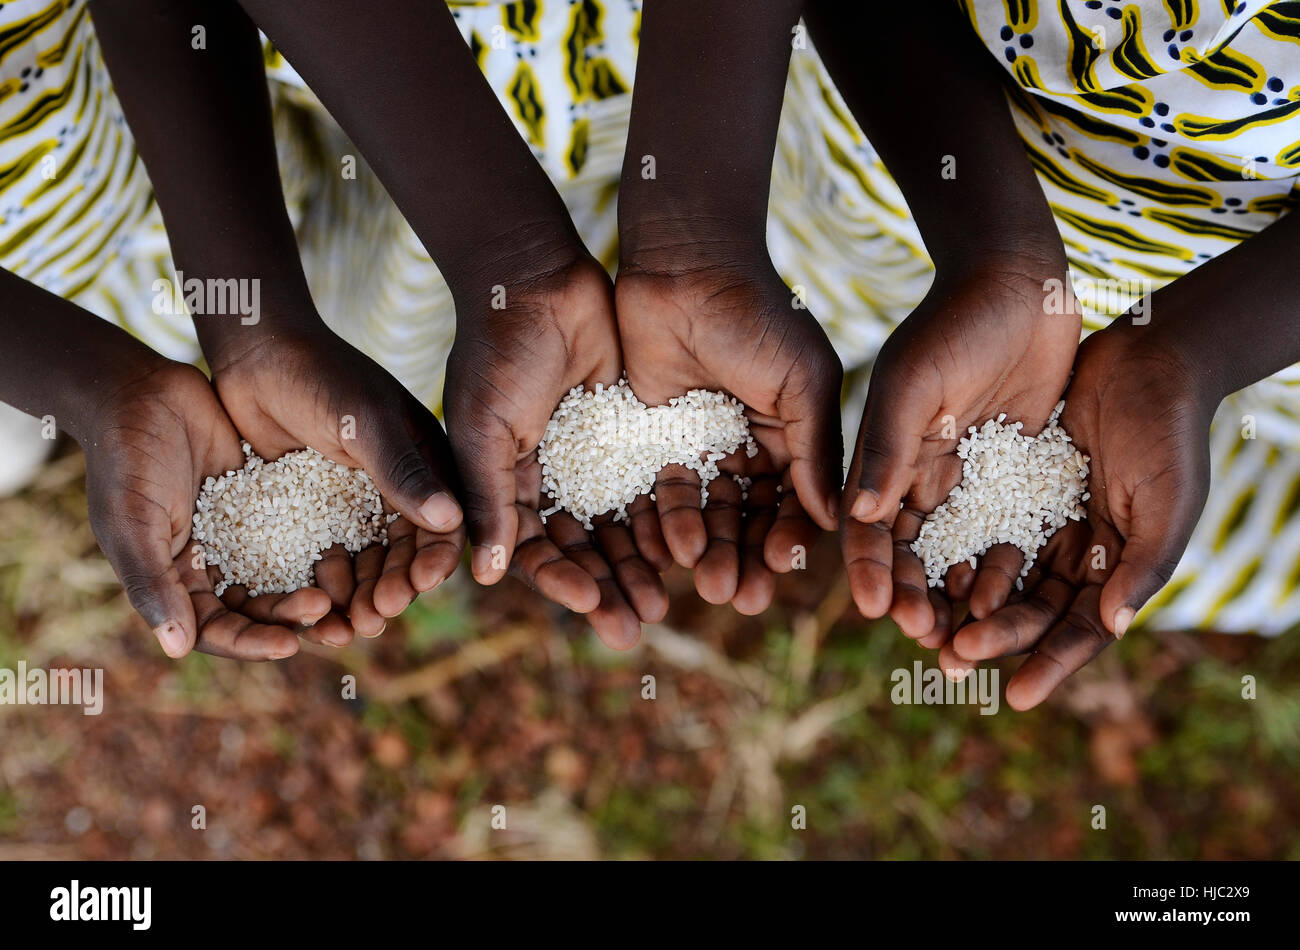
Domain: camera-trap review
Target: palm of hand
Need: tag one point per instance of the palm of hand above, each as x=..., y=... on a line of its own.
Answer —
x=316, y=390
x=746, y=334
x=970, y=353
x=507, y=372
x=973, y=349
x=1130, y=409
x=299, y=393
x=158, y=442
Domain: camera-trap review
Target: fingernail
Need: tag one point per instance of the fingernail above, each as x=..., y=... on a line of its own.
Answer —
x=481, y=561
x=956, y=674
x=834, y=507
x=171, y=637
x=1123, y=617
x=308, y=622
x=866, y=502
x=440, y=512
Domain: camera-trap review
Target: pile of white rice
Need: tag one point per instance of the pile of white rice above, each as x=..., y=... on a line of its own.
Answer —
x=266, y=525
x=1015, y=489
x=602, y=448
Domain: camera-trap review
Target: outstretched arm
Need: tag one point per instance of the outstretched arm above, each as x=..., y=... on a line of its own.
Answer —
x=981, y=342
x=534, y=311
x=700, y=303
x=286, y=380
x=152, y=430
x=1140, y=404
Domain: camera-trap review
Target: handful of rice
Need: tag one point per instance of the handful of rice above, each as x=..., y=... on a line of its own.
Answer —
x=266, y=525
x=603, y=447
x=1015, y=489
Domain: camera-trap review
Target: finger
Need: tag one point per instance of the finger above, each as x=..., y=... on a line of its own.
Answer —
x=305, y=611
x=436, y=557
x=139, y=547
x=487, y=454
x=1016, y=627
x=889, y=440
x=541, y=564
x=911, y=608
x=643, y=518
x=640, y=583
x=792, y=534
x=1071, y=644
x=941, y=633
x=1160, y=530
x=366, y=620
x=394, y=591
x=336, y=576
x=613, y=618
x=999, y=569
x=868, y=551
x=959, y=581
x=815, y=440
x=332, y=630
x=302, y=607
x=397, y=451
x=677, y=498
x=222, y=632
x=717, y=574
x=954, y=667
x=757, y=584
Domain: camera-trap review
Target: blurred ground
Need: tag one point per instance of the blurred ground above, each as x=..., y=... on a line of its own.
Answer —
x=478, y=698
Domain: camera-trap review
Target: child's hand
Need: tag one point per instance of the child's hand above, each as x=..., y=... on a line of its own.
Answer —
x=1134, y=406
x=737, y=328
x=313, y=389
x=980, y=344
x=508, y=370
x=154, y=442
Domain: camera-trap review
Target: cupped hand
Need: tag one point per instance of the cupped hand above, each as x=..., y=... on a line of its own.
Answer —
x=311, y=388
x=519, y=349
x=1134, y=406
x=737, y=328
x=999, y=337
x=155, y=440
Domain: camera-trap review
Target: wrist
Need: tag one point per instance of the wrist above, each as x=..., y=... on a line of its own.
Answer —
x=527, y=259
x=226, y=338
x=107, y=397
x=1032, y=248
x=1185, y=368
x=680, y=245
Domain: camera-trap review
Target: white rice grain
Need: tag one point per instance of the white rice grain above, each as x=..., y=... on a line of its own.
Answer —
x=1015, y=489
x=603, y=447
x=266, y=525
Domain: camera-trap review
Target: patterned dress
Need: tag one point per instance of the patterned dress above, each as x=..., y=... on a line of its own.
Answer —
x=1163, y=133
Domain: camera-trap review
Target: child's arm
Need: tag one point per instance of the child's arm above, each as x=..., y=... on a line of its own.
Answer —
x=700, y=303
x=931, y=100
x=152, y=430
x=403, y=84
x=202, y=121
x=1140, y=405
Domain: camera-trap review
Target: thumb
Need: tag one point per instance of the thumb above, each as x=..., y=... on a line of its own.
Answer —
x=815, y=439
x=889, y=442
x=140, y=552
x=404, y=475
x=1163, y=522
